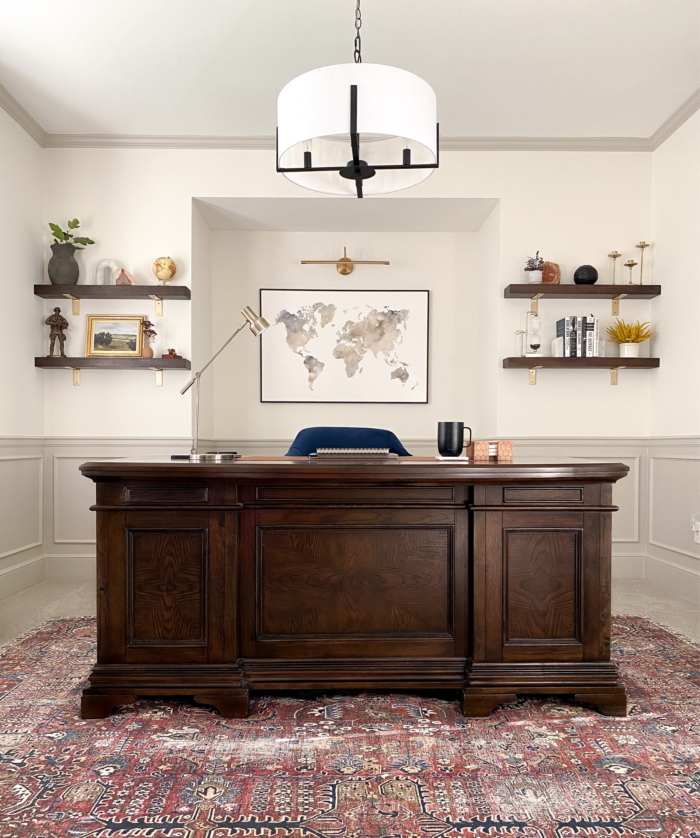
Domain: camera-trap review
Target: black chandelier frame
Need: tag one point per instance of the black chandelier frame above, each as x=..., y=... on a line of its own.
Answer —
x=357, y=169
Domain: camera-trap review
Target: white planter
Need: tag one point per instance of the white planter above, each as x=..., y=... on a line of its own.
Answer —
x=629, y=350
x=533, y=276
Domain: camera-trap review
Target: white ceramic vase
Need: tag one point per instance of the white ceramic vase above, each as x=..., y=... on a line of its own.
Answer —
x=629, y=350
x=533, y=276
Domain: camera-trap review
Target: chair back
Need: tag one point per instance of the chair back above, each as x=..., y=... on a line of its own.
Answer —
x=308, y=440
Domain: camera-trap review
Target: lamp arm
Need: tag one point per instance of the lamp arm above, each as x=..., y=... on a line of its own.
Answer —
x=212, y=359
x=195, y=380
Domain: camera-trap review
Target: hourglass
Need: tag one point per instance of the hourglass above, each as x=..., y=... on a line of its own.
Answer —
x=531, y=335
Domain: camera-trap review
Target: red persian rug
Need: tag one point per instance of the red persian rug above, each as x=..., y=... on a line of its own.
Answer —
x=349, y=766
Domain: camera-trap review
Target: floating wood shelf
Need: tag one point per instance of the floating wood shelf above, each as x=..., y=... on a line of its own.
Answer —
x=114, y=292
x=581, y=292
x=77, y=364
x=535, y=290
x=613, y=364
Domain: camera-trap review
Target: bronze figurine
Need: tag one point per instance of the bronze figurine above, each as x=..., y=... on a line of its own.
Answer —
x=58, y=323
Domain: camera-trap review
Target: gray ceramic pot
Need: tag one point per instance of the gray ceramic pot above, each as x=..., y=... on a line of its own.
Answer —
x=63, y=269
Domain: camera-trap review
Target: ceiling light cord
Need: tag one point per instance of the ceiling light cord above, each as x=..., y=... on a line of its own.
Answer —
x=358, y=39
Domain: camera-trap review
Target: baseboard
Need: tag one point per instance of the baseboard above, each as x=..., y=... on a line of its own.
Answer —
x=628, y=567
x=673, y=578
x=71, y=568
x=15, y=579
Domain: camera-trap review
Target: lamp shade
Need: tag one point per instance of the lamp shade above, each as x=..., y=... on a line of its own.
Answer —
x=395, y=110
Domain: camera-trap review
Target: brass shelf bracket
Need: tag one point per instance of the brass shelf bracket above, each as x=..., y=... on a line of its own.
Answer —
x=534, y=304
x=616, y=305
x=76, y=303
x=159, y=304
x=76, y=376
x=613, y=375
x=533, y=374
x=159, y=376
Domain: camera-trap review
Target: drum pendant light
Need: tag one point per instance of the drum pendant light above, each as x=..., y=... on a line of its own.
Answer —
x=357, y=129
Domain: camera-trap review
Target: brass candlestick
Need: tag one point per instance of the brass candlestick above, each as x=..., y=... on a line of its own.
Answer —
x=642, y=246
x=614, y=256
x=630, y=265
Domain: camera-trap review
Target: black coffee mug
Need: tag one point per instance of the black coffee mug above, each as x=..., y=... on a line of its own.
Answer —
x=451, y=438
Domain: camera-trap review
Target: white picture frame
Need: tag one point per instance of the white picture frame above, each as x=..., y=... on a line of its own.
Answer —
x=340, y=346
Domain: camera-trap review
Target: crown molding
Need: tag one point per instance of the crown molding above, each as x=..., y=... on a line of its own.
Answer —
x=159, y=141
x=544, y=144
x=9, y=104
x=267, y=143
x=262, y=143
x=674, y=122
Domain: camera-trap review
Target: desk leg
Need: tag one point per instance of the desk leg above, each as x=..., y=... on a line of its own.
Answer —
x=483, y=704
x=231, y=704
x=96, y=705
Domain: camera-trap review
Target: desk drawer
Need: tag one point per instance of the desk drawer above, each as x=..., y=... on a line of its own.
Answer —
x=315, y=493
x=166, y=494
x=528, y=495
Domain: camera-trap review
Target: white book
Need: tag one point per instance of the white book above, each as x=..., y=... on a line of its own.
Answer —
x=596, y=337
x=579, y=337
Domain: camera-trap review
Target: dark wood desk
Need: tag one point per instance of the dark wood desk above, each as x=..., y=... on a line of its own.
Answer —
x=268, y=574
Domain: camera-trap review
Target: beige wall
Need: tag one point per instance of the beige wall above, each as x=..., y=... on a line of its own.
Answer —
x=674, y=406
x=242, y=263
x=22, y=331
x=138, y=204
x=573, y=207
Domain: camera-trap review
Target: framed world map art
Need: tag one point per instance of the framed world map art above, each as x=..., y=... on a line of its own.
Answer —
x=344, y=346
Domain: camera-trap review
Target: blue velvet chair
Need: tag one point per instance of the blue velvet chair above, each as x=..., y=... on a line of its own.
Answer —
x=308, y=440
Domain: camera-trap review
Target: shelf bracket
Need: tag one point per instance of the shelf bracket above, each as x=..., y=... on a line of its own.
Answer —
x=159, y=376
x=76, y=303
x=616, y=306
x=533, y=374
x=533, y=304
x=159, y=304
x=613, y=375
x=76, y=375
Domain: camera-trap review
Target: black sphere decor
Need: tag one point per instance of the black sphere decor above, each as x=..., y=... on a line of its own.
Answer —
x=586, y=275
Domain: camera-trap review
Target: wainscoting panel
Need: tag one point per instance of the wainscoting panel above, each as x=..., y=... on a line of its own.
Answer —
x=73, y=495
x=673, y=558
x=21, y=478
x=651, y=532
x=674, y=495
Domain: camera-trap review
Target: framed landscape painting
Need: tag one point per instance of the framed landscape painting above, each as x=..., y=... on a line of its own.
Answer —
x=114, y=336
x=344, y=346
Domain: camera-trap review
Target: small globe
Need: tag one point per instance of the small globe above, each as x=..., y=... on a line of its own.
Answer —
x=164, y=268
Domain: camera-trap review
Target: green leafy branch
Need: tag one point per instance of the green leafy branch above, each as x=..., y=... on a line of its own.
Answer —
x=67, y=237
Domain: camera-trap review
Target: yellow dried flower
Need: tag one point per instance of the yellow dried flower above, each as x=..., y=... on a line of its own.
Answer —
x=623, y=332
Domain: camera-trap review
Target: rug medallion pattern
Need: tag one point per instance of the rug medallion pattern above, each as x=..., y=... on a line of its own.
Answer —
x=349, y=766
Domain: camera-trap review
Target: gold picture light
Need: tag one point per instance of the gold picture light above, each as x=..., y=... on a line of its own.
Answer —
x=345, y=265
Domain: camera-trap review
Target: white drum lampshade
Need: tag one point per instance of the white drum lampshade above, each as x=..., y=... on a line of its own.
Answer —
x=396, y=113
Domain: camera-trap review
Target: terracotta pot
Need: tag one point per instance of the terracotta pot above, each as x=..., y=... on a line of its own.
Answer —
x=629, y=350
x=147, y=352
x=63, y=269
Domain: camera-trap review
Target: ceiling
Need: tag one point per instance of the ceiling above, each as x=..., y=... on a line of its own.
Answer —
x=500, y=68
x=329, y=215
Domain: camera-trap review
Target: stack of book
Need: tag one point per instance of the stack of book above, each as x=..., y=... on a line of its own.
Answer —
x=577, y=337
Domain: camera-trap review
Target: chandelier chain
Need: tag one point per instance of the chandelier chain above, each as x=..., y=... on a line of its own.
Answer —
x=358, y=39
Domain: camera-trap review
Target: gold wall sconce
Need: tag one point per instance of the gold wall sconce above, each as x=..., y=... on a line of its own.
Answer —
x=345, y=265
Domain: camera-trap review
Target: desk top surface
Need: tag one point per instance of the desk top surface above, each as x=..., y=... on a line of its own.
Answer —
x=403, y=469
